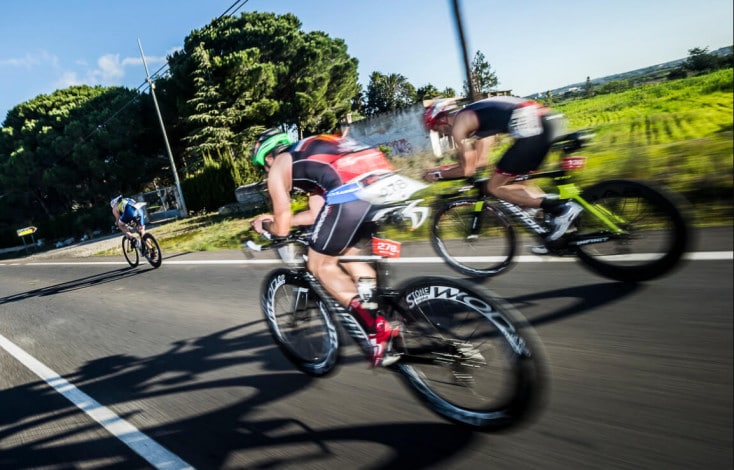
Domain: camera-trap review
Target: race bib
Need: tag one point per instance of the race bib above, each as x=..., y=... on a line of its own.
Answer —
x=377, y=187
x=525, y=122
x=386, y=188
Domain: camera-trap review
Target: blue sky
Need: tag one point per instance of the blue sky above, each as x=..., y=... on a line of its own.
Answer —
x=532, y=45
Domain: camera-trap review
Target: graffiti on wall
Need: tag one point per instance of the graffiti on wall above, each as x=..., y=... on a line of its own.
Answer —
x=399, y=147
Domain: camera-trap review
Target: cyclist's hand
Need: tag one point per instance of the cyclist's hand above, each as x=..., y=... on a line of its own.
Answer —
x=434, y=174
x=258, y=222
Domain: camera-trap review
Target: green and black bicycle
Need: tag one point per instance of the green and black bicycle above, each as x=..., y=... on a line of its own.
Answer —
x=628, y=231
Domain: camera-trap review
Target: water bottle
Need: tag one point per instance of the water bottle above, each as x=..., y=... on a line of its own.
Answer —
x=366, y=289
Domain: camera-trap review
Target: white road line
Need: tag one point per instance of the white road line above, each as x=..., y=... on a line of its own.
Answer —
x=140, y=443
x=698, y=256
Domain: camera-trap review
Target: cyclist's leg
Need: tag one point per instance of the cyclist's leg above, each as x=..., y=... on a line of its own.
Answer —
x=141, y=221
x=125, y=218
x=517, y=193
x=524, y=156
x=332, y=277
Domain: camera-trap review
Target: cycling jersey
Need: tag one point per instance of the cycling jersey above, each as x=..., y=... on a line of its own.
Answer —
x=128, y=211
x=337, y=226
x=531, y=124
x=347, y=157
x=311, y=175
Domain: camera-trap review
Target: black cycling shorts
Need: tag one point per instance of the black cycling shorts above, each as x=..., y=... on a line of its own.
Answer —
x=526, y=154
x=339, y=226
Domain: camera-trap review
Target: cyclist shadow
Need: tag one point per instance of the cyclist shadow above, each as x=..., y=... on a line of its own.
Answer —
x=588, y=297
x=84, y=282
x=209, y=439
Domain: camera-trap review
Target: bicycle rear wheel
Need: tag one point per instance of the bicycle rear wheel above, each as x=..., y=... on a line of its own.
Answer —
x=656, y=232
x=299, y=323
x=473, y=237
x=151, y=250
x=131, y=254
x=468, y=355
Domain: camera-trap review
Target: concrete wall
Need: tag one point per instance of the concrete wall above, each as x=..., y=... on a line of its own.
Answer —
x=401, y=130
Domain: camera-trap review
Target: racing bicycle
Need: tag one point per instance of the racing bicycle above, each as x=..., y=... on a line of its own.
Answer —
x=466, y=353
x=628, y=230
x=146, y=245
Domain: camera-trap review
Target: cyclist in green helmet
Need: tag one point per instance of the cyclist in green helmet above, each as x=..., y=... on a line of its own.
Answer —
x=304, y=166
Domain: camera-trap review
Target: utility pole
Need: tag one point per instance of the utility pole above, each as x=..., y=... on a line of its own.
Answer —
x=181, y=204
x=462, y=41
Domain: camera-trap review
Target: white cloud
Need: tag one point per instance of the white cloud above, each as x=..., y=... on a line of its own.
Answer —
x=67, y=79
x=31, y=59
x=110, y=70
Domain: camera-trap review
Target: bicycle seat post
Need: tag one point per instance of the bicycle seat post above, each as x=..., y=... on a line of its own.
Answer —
x=383, y=272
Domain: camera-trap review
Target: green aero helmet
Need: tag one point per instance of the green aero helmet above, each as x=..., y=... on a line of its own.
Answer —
x=272, y=140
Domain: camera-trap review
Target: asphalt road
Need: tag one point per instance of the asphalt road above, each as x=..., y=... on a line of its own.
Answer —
x=178, y=360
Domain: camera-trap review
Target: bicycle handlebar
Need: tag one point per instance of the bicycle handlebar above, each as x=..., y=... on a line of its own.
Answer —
x=295, y=236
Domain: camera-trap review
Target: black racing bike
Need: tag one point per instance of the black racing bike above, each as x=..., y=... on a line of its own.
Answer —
x=465, y=352
x=628, y=230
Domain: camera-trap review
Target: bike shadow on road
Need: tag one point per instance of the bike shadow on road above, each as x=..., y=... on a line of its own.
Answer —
x=208, y=435
x=81, y=283
x=588, y=297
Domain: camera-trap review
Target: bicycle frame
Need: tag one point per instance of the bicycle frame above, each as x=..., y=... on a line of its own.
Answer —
x=567, y=191
x=572, y=192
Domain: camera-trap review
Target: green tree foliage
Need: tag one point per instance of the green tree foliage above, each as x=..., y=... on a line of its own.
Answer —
x=213, y=184
x=589, y=88
x=70, y=150
x=483, y=77
x=388, y=93
x=614, y=86
x=239, y=75
x=700, y=60
x=427, y=92
x=448, y=91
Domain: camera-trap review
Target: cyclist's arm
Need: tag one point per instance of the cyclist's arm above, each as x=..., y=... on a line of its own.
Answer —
x=308, y=216
x=279, y=188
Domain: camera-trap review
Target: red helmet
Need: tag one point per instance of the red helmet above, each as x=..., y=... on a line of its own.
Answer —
x=436, y=112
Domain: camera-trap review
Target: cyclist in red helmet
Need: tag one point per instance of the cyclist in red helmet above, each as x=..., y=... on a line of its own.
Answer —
x=474, y=129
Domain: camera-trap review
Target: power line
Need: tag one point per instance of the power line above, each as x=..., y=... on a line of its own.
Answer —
x=236, y=6
x=233, y=8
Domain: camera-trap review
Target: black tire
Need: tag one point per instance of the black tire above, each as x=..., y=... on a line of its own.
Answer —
x=152, y=251
x=657, y=237
x=131, y=254
x=300, y=323
x=474, y=237
x=469, y=355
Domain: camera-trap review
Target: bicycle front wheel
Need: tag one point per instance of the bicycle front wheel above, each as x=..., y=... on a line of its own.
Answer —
x=131, y=254
x=473, y=237
x=300, y=323
x=656, y=234
x=151, y=250
x=469, y=355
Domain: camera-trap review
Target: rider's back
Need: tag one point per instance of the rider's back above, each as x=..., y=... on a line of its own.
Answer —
x=348, y=158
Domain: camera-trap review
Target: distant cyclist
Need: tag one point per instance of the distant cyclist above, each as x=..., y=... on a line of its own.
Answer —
x=125, y=211
x=305, y=166
x=474, y=129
